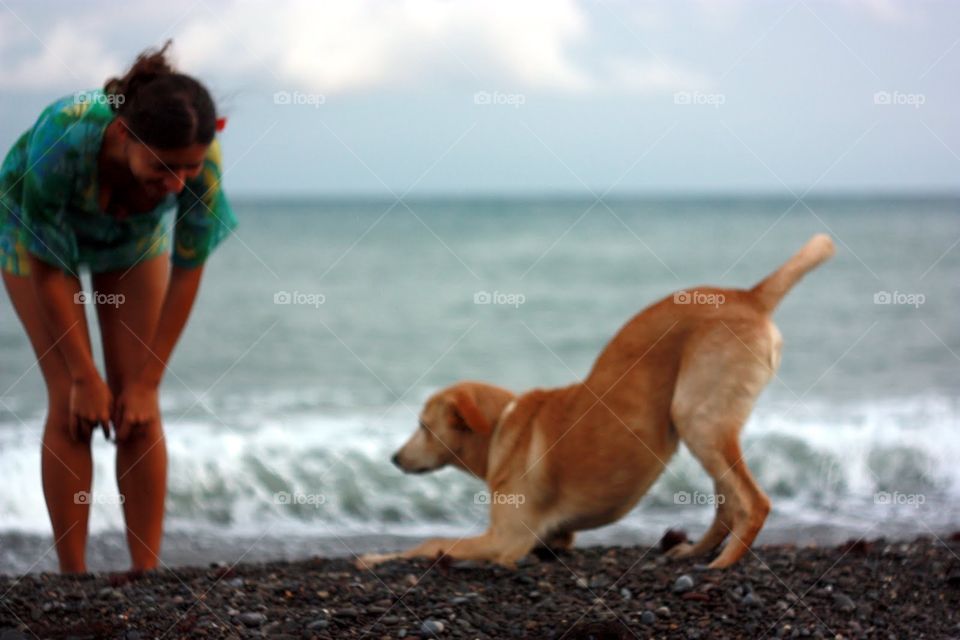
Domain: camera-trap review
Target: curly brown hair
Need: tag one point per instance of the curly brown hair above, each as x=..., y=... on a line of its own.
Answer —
x=161, y=107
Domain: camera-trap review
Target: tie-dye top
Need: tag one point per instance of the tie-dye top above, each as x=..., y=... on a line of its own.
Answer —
x=49, y=202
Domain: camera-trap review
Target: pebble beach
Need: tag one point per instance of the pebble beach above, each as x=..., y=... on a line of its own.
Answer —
x=862, y=589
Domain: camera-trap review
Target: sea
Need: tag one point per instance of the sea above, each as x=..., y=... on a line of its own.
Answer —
x=323, y=324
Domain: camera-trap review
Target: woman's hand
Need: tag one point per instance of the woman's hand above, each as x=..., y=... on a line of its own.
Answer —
x=137, y=407
x=90, y=405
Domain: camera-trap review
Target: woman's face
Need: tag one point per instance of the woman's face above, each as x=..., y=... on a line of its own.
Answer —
x=163, y=171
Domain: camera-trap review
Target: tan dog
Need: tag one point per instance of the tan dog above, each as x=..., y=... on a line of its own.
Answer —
x=560, y=460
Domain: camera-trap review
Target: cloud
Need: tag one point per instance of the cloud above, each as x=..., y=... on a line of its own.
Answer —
x=345, y=46
x=658, y=76
x=334, y=47
x=60, y=57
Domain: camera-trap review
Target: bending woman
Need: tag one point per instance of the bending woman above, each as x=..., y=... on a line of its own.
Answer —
x=88, y=186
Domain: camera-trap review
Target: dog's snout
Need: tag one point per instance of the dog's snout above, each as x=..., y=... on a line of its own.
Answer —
x=395, y=459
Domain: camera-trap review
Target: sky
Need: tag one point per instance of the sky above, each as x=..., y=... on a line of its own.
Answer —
x=604, y=97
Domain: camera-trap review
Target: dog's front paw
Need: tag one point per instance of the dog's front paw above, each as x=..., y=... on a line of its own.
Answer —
x=370, y=560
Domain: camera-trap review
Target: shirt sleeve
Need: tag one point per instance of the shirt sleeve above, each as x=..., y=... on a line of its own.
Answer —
x=48, y=177
x=204, y=216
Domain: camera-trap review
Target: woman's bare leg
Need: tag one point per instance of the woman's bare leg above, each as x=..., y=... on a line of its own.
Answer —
x=127, y=326
x=66, y=465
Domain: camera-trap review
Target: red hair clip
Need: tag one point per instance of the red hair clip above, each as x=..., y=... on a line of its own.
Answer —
x=221, y=124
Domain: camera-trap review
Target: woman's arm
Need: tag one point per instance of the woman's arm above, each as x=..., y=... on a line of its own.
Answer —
x=181, y=293
x=63, y=314
x=137, y=404
x=204, y=218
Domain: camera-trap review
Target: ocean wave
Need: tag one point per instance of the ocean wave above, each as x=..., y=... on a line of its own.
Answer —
x=280, y=462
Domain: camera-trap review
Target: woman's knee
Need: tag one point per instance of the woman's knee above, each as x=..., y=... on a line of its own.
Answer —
x=142, y=437
x=58, y=405
x=57, y=425
x=56, y=379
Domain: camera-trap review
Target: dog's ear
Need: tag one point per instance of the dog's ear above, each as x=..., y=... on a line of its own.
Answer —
x=466, y=408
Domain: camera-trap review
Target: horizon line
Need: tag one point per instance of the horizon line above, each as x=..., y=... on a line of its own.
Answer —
x=375, y=196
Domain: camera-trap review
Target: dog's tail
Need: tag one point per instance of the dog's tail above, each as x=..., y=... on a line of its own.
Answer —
x=771, y=290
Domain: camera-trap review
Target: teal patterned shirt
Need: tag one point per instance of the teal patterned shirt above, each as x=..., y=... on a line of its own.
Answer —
x=49, y=205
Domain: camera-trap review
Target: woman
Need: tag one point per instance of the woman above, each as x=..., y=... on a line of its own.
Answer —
x=87, y=186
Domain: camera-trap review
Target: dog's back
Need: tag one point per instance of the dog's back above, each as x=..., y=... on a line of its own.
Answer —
x=655, y=335
x=688, y=367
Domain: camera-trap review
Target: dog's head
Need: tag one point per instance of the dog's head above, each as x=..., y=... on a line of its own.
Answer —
x=455, y=428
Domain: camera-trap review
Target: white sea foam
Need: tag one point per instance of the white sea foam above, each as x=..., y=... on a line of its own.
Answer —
x=328, y=473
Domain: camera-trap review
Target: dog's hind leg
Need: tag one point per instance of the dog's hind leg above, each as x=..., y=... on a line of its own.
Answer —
x=743, y=506
x=722, y=523
x=749, y=509
x=724, y=370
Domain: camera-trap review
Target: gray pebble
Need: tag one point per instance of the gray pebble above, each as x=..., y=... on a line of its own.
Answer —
x=431, y=627
x=684, y=583
x=318, y=624
x=648, y=617
x=843, y=602
x=663, y=611
x=751, y=600
x=626, y=593
x=251, y=619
